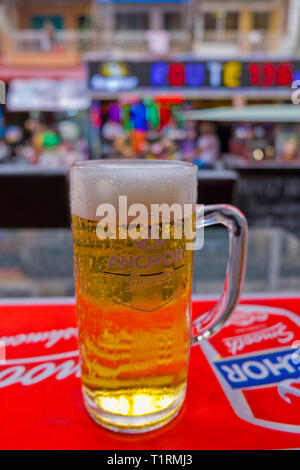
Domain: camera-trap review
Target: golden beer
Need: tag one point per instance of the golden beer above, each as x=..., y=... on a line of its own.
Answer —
x=133, y=307
x=133, y=292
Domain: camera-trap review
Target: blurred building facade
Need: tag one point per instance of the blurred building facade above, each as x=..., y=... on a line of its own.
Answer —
x=147, y=27
x=58, y=33
x=37, y=33
x=242, y=27
x=125, y=72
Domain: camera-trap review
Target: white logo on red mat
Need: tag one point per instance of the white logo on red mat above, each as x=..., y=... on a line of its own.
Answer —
x=278, y=331
x=19, y=373
x=267, y=369
x=286, y=387
x=242, y=318
x=32, y=370
x=48, y=337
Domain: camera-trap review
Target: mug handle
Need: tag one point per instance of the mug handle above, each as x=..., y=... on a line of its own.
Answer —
x=209, y=323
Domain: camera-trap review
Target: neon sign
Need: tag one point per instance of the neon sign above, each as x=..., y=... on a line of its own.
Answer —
x=114, y=83
x=113, y=76
x=110, y=76
x=268, y=74
x=216, y=74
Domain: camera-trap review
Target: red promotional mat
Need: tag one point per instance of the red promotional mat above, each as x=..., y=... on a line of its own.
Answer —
x=243, y=390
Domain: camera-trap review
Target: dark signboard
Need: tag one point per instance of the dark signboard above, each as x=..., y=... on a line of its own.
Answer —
x=270, y=197
x=105, y=76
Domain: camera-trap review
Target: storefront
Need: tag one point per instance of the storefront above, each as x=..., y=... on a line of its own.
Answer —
x=133, y=100
x=44, y=120
x=261, y=135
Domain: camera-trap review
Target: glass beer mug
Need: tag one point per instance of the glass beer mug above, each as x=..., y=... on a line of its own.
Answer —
x=133, y=282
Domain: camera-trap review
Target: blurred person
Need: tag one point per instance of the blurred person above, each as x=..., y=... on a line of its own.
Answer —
x=68, y=154
x=156, y=150
x=172, y=130
x=19, y=156
x=188, y=145
x=121, y=147
x=48, y=39
x=290, y=150
x=286, y=142
x=208, y=147
x=111, y=130
x=83, y=148
x=13, y=136
x=4, y=151
x=28, y=152
x=138, y=140
x=170, y=149
x=37, y=142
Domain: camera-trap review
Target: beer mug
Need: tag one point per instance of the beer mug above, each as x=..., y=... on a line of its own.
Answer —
x=133, y=266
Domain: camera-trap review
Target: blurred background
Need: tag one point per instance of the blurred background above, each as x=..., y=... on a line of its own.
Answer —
x=199, y=80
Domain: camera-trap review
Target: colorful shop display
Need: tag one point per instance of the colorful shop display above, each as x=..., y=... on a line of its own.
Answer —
x=138, y=105
x=48, y=140
x=259, y=134
x=145, y=128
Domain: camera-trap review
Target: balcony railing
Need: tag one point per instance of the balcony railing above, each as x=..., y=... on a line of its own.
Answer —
x=140, y=37
x=220, y=36
x=260, y=41
x=37, y=47
x=68, y=41
x=41, y=48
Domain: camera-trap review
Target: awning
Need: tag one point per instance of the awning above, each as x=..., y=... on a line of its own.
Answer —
x=47, y=95
x=259, y=113
x=8, y=73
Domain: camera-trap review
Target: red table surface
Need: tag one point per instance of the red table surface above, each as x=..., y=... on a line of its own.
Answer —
x=41, y=408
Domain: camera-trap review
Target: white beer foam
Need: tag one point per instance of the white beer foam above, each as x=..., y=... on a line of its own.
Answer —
x=148, y=182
